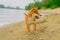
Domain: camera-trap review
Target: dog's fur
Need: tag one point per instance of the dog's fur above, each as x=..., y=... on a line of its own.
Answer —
x=31, y=17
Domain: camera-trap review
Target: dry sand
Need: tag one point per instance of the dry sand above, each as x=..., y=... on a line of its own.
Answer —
x=51, y=11
x=48, y=28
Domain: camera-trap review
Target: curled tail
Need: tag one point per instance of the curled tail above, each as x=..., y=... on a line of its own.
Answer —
x=25, y=14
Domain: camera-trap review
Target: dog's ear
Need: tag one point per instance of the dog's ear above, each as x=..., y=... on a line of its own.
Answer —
x=25, y=14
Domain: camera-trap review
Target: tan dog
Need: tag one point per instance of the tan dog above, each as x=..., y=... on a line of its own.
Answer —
x=31, y=17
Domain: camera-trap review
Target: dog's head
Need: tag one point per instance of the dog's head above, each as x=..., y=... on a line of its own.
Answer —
x=35, y=11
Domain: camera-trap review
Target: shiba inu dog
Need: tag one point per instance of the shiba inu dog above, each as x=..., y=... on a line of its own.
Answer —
x=31, y=17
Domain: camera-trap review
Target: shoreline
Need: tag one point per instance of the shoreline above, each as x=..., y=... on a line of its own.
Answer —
x=48, y=28
x=7, y=25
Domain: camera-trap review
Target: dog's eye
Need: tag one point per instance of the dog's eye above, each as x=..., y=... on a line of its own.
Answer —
x=36, y=17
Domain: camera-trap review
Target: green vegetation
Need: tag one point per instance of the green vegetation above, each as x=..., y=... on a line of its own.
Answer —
x=44, y=4
x=51, y=3
x=33, y=5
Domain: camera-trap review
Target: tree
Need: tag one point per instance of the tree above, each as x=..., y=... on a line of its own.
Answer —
x=44, y=4
x=2, y=6
x=51, y=3
x=33, y=5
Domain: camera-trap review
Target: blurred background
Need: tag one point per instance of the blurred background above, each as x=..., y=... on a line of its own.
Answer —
x=12, y=11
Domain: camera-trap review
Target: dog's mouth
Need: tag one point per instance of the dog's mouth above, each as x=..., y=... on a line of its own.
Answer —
x=36, y=17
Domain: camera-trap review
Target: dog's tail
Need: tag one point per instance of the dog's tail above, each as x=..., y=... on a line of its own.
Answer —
x=25, y=14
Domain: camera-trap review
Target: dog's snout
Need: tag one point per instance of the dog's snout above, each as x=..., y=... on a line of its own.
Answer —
x=36, y=17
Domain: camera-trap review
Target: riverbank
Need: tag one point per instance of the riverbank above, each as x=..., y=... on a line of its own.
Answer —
x=48, y=28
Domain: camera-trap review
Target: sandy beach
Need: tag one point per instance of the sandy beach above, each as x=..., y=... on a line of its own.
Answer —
x=48, y=28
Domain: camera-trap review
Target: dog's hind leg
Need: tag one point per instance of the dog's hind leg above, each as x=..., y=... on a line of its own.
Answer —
x=28, y=28
x=27, y=24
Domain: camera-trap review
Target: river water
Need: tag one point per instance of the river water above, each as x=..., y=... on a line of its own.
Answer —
x=8, y=16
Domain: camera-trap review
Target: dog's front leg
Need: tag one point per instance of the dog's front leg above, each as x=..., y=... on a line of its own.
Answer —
x=34, y=24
